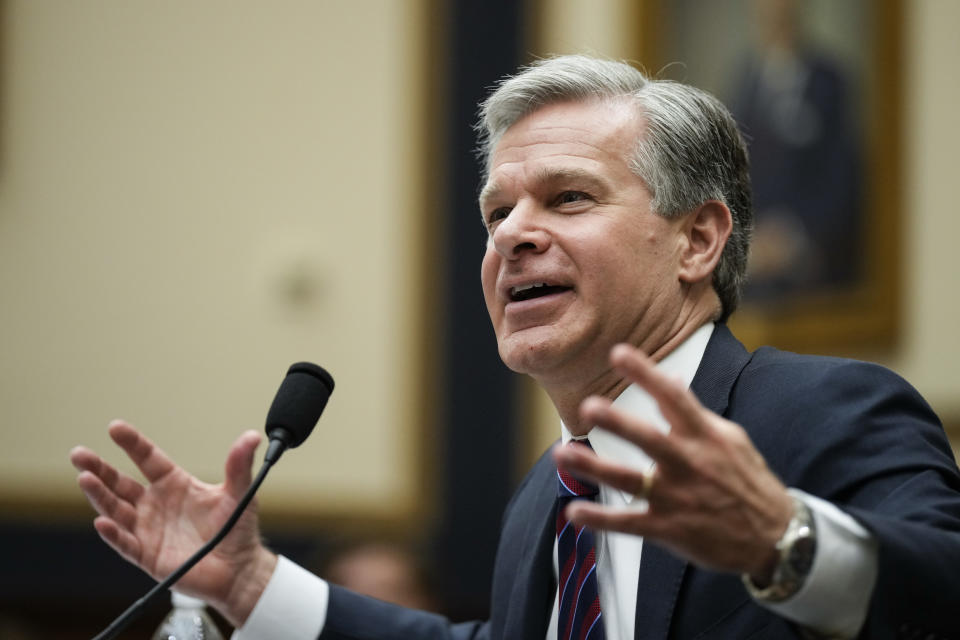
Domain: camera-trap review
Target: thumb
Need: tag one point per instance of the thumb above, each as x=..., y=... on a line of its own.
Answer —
x=238, y=473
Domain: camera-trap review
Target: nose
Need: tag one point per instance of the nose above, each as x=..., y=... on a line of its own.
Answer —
x=521, y=232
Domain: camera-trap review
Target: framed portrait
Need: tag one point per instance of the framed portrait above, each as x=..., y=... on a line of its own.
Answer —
x=815, y=88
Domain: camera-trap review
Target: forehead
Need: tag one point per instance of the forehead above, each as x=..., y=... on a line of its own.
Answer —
x=597, y=137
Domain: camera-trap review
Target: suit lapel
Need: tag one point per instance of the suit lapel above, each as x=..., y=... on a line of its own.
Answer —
x=534, y=587
x=719, y=369
x=661, y=572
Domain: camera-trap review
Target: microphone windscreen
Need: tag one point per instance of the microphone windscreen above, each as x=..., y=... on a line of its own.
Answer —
x=299, y=402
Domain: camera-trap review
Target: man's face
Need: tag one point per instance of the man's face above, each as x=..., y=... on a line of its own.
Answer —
x=576, y=261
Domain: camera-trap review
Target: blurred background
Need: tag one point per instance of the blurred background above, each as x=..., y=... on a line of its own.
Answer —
x=195, y=195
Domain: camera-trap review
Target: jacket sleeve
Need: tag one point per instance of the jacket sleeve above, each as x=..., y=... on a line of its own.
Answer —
x=351, y=616
x=859, y=436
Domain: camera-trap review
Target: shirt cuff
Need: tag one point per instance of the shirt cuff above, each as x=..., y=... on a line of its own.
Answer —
x=835, y=597
x=292, y=607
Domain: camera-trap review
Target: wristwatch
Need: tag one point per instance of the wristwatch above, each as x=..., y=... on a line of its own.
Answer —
x=796, y=548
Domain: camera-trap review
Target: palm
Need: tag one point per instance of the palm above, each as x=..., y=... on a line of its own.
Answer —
x=159, y=526
x=175, y=517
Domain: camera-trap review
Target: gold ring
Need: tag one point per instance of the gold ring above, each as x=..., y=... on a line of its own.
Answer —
x=647, y=485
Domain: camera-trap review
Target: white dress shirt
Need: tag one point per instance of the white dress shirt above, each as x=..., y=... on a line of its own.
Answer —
x=833, y=600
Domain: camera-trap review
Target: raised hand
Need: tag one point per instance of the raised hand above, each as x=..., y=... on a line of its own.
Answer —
x=712, y=499
x=159, y=525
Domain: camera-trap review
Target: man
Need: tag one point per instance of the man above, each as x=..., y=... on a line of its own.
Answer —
x=618, y=217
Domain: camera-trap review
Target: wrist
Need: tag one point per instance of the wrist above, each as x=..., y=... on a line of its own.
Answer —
x=792, y=561
x=248, y=586
x=765, y=556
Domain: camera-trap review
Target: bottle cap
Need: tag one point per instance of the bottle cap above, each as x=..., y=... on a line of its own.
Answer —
x=185, y=601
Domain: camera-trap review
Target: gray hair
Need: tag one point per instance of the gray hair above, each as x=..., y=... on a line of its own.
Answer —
x=689, y=152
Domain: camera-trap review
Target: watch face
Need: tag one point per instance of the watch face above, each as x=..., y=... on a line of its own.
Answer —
x=801, y=553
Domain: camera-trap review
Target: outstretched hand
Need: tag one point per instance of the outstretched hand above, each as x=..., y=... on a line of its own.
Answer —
x=712, y=499
x=159, y=525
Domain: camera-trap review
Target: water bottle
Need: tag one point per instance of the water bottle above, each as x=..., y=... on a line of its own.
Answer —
x=189, y=620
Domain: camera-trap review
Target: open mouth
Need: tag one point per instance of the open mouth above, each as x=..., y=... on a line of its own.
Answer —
x=534, y=290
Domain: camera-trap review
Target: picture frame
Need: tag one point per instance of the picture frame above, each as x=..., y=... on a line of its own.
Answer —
x=793, y=72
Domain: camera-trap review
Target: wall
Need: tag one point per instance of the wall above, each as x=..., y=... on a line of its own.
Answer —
x=192, y=197
x=929, y=352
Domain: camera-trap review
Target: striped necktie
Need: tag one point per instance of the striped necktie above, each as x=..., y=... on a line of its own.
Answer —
x=579, y=598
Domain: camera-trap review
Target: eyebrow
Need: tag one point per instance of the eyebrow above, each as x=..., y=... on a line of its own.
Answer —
x=581, y=177
x=549, y=177
x=488, y=191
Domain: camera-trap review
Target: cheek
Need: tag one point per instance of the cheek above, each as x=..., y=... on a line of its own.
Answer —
x=488, y=279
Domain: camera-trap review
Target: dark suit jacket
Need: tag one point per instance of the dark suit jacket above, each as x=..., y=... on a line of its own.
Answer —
x=850, y=432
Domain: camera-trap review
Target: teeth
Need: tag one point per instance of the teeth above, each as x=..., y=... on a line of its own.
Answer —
x=526, y=287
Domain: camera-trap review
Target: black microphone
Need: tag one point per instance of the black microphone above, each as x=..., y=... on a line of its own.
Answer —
x=300, y=400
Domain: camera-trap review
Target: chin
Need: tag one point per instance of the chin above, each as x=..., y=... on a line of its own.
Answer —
x=531, y=355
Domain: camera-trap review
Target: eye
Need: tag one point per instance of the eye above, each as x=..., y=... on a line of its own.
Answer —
x=496, y=216
x=568, y=197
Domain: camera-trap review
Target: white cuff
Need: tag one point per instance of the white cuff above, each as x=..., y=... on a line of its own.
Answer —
x=292, y=607
x=835, y=597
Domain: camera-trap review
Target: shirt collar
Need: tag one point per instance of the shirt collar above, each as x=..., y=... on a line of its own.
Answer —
x=681, y=363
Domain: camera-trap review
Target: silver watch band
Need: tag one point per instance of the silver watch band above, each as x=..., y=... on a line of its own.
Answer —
x=796, y=550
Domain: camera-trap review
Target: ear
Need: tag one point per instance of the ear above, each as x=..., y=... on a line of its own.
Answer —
x=705, y=233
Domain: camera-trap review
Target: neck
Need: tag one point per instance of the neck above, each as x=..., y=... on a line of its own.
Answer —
x=607, y=382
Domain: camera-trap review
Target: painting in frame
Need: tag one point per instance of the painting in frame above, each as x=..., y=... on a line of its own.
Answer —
x=815, y=88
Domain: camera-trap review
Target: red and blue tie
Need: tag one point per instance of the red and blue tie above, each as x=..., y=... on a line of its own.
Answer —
x=579, y=599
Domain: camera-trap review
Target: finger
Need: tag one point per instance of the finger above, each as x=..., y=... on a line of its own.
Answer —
x=677, y=404
x=587, y=465
x=119, y=539
x=124, y=486
x=238, y=472
x=105, y=501
x=656, y=444
x=598, y=517
x=149, y=458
